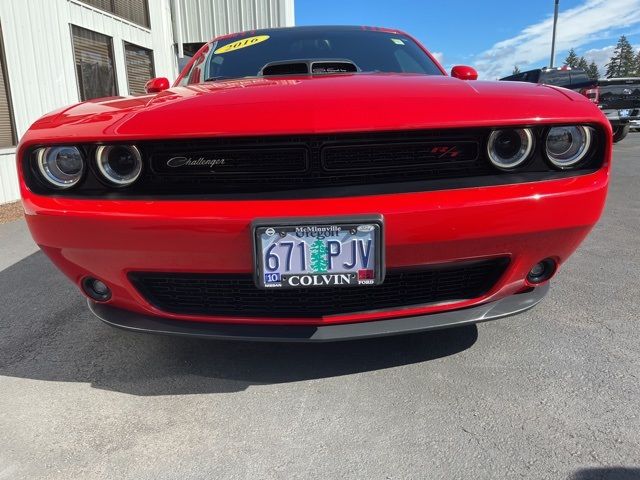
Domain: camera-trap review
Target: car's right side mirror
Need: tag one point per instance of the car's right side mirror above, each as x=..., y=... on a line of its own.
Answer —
x=156, y=85
x=464, y=72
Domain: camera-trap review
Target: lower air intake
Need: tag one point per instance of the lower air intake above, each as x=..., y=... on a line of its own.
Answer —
x=237, y=296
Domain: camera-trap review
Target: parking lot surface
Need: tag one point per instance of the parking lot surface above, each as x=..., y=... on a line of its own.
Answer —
x=553, y=393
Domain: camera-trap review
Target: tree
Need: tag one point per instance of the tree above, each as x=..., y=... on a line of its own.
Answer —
x=572, y=59
x=592, y=71
x=318, y=256
x=637, y=73
x=516, y=70
x=583, y=64
x=622, y=62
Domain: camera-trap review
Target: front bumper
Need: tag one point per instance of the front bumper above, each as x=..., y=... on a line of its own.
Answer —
x=109, y=239
x=614, y=115
x=136, y=322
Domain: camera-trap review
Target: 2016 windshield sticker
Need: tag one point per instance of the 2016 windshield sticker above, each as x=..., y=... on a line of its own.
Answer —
x=397, y=41
x=245, y=42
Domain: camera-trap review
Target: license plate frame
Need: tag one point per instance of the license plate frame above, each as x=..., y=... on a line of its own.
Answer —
x=259, y=226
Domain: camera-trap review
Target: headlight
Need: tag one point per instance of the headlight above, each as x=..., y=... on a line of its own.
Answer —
x=61, y=167
x=510, y=148
x=120, y=165
x=566, y=146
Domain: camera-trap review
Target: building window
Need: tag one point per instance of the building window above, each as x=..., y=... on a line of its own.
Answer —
x=136, y=11
x=95, y=70
x=7, y=129
x=189, y=50
x=139, y=67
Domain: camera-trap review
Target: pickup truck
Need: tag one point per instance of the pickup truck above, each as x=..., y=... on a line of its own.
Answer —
x=620, y=102
x=577, y=79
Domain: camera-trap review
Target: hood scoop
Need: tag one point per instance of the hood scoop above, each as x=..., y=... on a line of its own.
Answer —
x=309, y=67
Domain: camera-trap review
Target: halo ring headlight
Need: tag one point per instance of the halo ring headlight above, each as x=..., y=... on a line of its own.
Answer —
x=61, y=166
x=120, y=165
x=566, y=146
x=510, y=148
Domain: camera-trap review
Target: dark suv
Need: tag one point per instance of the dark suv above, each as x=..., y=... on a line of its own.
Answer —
x=577, y=79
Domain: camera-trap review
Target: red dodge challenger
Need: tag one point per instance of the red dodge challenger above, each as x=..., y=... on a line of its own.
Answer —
x=312, y=184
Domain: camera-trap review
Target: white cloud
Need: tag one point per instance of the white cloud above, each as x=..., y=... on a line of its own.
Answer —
x=593, y=20
x=439, y=56
x=601, y=56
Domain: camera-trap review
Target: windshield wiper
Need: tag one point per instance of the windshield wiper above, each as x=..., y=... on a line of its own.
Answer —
x=214, y=79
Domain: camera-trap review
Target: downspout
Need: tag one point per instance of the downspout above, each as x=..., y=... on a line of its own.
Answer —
x=176, y=4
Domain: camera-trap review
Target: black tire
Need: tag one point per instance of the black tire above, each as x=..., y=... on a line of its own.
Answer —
x=620, y=132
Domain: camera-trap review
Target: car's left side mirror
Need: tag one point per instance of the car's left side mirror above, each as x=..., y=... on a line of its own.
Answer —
x=156, y=85
x=463, y=72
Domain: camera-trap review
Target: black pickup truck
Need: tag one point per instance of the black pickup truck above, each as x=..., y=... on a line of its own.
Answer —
x=577, y=79
x=620, y=102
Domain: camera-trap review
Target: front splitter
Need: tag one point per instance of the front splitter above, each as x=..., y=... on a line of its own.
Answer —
x=137, y=322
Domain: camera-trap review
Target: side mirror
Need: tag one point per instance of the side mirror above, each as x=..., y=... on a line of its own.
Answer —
x=464, y=72
x=156, y=85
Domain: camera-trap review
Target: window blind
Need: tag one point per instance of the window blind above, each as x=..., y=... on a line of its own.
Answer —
x=7, y=131
x=94, y=64
x=139, y=67
x=136, y=11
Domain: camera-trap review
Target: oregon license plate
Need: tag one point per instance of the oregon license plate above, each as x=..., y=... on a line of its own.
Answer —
x=327, y=254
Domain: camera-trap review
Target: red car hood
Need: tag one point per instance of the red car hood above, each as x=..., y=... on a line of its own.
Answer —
x=298, y=105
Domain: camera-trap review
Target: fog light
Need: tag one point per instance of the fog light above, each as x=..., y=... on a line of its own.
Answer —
x=96, y=289
x=542, y=271
x=537, y=270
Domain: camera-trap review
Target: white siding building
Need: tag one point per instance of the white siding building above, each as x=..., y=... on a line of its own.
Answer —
x=58, y=52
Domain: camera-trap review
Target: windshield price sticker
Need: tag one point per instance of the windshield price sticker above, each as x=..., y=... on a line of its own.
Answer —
x=244, y=43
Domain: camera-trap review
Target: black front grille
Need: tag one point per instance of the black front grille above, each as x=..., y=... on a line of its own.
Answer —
x=226, y=163
x=278, y=164
x=237, y=295
x=444, y=156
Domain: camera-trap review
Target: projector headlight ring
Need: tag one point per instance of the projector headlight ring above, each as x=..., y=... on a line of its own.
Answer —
x=566, y=146
x=61, y=166
x=509, y=148
x=119, y=165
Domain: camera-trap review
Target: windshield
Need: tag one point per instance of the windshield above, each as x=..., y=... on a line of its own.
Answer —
x=371, y=51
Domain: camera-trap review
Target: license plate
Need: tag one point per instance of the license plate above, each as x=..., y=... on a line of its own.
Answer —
x=624, y=113
x=302, y=254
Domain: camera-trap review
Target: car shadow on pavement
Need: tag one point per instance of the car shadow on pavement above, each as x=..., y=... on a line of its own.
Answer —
x=607, y=473
x=47, y=333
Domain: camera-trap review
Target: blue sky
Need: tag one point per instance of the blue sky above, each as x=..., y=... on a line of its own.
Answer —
x=491, y=35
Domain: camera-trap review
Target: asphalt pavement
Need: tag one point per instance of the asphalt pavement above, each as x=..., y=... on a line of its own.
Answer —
x=553, y=393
